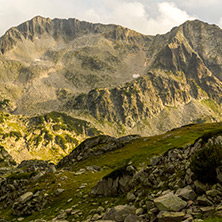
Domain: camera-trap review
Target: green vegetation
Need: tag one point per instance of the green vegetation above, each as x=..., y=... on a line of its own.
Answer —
x=212, y=105
x=20, y=176
x=1, y=119
x=71, y=139
x=205, y=162
x=113, y=164
x=66, y=122
x=117, y=173
x=48, y=136
x=141, y=150
x=4, y=103
x=216, y=219
x=61, y=141
x=37, y=140
x=15, y=134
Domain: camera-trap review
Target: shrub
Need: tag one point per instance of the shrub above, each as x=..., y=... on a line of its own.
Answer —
x=21, y=176
x=205, y=161
x=61, y=142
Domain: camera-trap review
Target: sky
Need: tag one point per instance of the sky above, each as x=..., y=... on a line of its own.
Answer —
x=146, y=16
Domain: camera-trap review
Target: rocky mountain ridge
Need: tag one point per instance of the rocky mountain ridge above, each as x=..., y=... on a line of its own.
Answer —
x=120, y=80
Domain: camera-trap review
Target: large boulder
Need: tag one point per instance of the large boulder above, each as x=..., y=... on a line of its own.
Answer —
x=119, y=213
x=170, y=202
x=186, y=193
x=118, y=181
x=203, y=201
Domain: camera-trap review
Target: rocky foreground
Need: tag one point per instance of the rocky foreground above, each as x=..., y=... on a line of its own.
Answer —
x=168, y=189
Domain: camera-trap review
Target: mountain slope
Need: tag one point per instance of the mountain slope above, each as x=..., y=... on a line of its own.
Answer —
x=65, y=193
x=48, y=58
x=48, y=137
x=119, y=80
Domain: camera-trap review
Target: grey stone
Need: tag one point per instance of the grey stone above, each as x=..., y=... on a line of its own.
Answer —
x=186, y=193
x=25, y=197
x=155, y=160
x=139, y=211
x=51, y=169
x=203, y=201
x=170, y=202
x=96, y=217
x=132, y=218
x=165, y=216
x=213, y=193
x=118, y=213
x=100, y=210
x=130, y=197
x=207, y=209
x=59, y=191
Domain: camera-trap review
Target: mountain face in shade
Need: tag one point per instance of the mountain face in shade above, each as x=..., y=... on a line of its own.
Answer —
x=119, y=80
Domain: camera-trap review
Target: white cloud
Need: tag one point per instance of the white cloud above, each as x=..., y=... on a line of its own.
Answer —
x=169, y=16
x=133, y=15
x=145, y=16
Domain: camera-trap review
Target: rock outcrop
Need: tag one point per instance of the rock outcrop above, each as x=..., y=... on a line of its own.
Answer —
x=95, y=146
x=174, y=193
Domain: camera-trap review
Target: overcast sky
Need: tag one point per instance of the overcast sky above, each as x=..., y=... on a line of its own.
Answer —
x=145, y=16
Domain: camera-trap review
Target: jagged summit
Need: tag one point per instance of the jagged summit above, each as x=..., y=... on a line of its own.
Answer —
x=67, y=29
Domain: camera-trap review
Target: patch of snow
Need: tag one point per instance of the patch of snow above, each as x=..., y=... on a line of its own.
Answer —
x=135, y=76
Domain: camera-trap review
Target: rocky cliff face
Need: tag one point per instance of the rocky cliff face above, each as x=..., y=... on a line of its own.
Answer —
x=111, y=75
x=180, y=85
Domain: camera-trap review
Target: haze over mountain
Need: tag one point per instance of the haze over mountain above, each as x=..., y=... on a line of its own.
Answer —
x=119, y=80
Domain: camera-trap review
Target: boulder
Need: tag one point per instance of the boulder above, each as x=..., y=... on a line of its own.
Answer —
x=186, y=193
x=132, y=218
x=207, y=209
x=130, y=197
x=170, y=202
x=203, y=201
x=51, y=169
x=58, y=191
x=25, y=197
x=200, y=187
x=118, y=213
x=165, y=216
x=213, y=193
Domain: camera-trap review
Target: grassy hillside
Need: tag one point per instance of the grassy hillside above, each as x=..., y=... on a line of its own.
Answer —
x=77, y=186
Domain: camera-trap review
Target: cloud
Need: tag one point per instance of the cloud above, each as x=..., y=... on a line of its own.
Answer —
x=145, y=16
x=135, y=16
x=169, y=16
